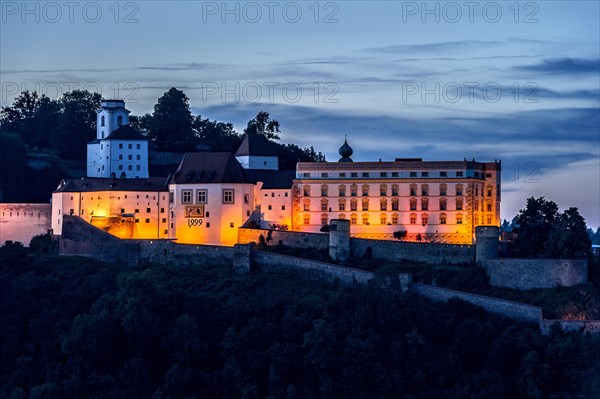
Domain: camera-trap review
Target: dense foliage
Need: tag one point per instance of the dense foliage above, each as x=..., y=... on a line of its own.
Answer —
x=73, y=327
x=543, y=231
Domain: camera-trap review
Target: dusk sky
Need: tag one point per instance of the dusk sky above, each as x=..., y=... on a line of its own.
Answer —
x=515, y=81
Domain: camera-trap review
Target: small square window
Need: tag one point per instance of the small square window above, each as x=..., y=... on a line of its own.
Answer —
x=324, y=174
x=424, y=174
x=148, y=210
x=413, y=174
x=147, y=220
x=342, y=174
x=305, y=174
x=365, y=174
x=354, y=174
x=383, y=174
x=394, y=174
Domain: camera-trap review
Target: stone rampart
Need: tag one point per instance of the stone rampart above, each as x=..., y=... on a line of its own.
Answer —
x=431, y=253
x=289, y=238
x=82, y=239
x=169, y=252
x=22, y=222
x=272, y=262
x=526, y=274
x=510, y=309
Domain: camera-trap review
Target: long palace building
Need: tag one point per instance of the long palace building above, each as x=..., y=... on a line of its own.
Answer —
x=211, y=195
x=440, y=201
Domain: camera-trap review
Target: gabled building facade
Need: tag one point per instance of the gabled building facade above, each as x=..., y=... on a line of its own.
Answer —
x=210, y=198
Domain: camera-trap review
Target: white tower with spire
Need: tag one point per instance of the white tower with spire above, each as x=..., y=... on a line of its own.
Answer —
x=119, y=150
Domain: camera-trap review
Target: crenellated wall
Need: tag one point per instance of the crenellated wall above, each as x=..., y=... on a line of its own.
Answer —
x=22, y=222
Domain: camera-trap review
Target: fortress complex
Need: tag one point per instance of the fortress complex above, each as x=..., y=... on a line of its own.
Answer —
x=211, y=195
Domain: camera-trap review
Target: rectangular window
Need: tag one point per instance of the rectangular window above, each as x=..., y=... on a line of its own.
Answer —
x=413, y=174
x=383, y=206
x=120, y=156
x=424, y=219
x=208, y=225
x=442, y=219
x=130, y=167
x=306, y=207
x=138, y=157
x=424, y=174
x=489, y=207
x=246, y=198
x=489, y=220
x=365, y=174
x=201, y=196
x=488, y=175
x=413, y=192
x=121, y=146
x=383, y=174
x=365, y=205
x=186, y=196
x=394, y=219
x=383, y=219
x=394, y=205
x=148, y=210
x=137, y=167
x=162, y=210
x=342, y=174
x=283, y=207
x=365, y=220
x=137, y=211
x=306, y=219
x=413, y=220
x=163, y=220
x=147, y=220
x=171, y=197
x=130, y=157
x=353, y=206
x=459, y=174
x=137, y=146
x=305, y=174
x=324, y=174
x=270, y=207
x=458, y=219
x=489, y=192
x=342, y=206
x=130, y=146
x=443, y=174
x=324, y=206
x=354, y=174
x=394, y=191
x=353, y=220
x=395, y=174
x=228, y=196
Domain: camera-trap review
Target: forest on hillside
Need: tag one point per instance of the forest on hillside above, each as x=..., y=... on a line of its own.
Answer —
x=77, y=328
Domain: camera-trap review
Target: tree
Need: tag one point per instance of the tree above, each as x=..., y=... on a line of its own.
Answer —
x=32, y=117
x=142, y=124
x=13, y=158
x=265, y=125
x=220, y=136
x=77, y=122
x=568, y=238
x=534, y=224
x=172, y=118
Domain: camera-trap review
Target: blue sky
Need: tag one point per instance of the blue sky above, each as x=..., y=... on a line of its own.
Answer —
x=516, y=81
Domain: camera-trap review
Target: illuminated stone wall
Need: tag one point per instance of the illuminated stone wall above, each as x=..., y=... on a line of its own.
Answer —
x=526, y=274
x=420, y=252
x=21, y=222
x=289, y=238
x=513, y=310
x=272, y=262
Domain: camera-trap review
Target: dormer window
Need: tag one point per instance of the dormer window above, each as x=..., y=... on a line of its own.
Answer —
x=102, y=120
x=119, y=120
